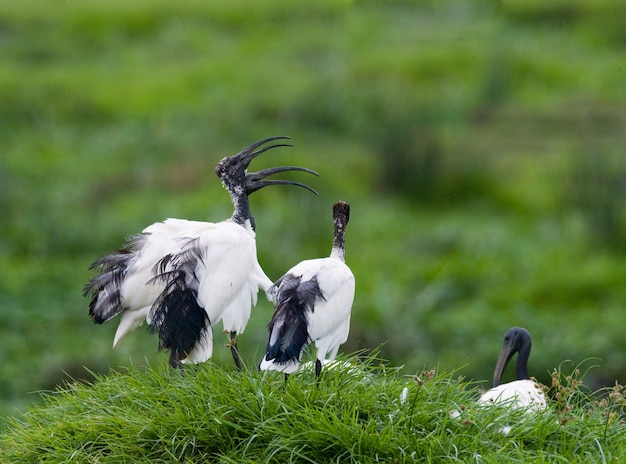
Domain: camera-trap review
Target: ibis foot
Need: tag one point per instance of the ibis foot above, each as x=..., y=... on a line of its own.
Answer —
x=234, y=351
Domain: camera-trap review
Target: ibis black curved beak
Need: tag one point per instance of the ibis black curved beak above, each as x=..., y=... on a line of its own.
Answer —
x=255, y=180
x=245, y=156
x=234, y=167
x=505, y=356
x=233, y=170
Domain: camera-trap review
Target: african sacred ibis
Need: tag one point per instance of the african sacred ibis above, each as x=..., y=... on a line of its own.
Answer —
x=183, y=277
x=523, y=392
x=313, y=301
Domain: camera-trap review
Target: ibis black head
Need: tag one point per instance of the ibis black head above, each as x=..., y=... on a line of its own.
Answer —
x=341, y=212
x=516, y=340
x=233, y=170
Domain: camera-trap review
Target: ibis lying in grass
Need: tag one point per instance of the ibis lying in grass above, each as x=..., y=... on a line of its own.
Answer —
x=523, y=392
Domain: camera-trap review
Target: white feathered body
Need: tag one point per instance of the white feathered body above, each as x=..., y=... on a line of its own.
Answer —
x=329, y=323
x=223, y=269
x=327, y=315
x=518, y=394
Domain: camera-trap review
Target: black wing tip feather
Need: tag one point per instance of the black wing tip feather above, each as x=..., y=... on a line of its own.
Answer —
x=104, y=306
x=178, y=318
x=293, y=335
x=121, y=256
x=97, y=318
x=99, y=314
x=160, y=268
x=112, y=270
x=185, y=262
x=176, y=314
x=295, y=298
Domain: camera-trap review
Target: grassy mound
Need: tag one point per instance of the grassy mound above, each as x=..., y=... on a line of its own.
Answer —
x=355, y=413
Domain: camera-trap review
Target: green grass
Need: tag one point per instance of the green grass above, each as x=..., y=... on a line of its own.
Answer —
x=480, y=146
x=353, y=414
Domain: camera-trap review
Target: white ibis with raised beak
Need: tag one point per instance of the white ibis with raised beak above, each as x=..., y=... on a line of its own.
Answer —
x=523, y=392
x=183, y=277
x=313, y=302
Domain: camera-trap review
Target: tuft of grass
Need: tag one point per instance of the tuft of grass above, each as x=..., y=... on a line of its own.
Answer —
x=356, y=412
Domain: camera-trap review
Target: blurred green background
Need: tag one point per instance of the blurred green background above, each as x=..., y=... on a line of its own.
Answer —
x=480, y=144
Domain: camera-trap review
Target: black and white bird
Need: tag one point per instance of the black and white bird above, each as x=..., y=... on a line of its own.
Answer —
x=183, y=277
x=523, y=392
x=313, y=302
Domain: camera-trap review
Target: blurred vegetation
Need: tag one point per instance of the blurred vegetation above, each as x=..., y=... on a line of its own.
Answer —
x=480, y=144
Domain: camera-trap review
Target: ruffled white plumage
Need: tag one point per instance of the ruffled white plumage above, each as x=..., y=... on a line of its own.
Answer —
x=225, y=291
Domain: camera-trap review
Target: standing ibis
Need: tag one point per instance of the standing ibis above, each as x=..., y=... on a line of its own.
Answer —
x=313, y=301
x=523, y=392
x=183, y=277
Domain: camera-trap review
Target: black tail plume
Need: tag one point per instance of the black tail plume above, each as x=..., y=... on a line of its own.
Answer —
x=178, y=318
x=289, y=332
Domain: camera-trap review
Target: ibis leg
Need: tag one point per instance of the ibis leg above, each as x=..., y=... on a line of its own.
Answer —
x=233, y=349
x=318, y=368
x=175, y=359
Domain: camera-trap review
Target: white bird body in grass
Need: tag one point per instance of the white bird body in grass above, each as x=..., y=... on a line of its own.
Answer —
x=313, y=303
x=523, y=392
x=183, y=277
x=519, y=394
